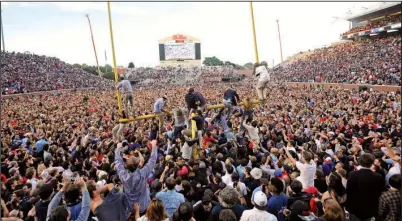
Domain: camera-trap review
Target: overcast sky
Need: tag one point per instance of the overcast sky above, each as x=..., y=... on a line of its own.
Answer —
x=61, y=29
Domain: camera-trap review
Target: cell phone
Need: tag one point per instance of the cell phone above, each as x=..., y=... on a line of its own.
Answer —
x=74, y=177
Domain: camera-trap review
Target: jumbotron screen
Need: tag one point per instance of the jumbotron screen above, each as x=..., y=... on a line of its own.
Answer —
x=181, y=51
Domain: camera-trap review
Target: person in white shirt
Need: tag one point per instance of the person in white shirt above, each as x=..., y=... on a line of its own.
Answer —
x=394, y=159
x=259, y=212
x=261, y=71
x=238, y=185
x=227, y=178
x=31, y=176
x=252, y=132
x=307, y=168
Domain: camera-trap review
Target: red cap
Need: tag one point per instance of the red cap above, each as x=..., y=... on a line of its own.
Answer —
x=291, y=136
x=312, y=190
x=183, y=171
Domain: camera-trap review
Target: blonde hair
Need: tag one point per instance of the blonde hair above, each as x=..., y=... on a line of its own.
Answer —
x=333, y=211
x=156, y=211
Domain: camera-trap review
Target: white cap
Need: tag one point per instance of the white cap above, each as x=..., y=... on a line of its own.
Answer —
x=260, y=199
x=256, y=173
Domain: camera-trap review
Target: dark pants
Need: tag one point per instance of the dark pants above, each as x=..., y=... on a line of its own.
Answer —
x=355, y=218
x=177, y=132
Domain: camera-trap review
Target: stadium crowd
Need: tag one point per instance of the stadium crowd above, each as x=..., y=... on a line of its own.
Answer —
x=317, y=153
x=372, y=61
x=388, y=20
x=306, y=153
x=25, y=72
x=180, y=75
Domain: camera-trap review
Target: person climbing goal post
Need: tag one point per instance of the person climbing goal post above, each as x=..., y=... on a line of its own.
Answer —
x=261, y=72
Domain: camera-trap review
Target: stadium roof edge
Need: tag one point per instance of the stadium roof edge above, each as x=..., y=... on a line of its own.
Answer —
x=371, y=9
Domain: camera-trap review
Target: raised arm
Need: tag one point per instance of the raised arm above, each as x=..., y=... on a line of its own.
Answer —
x=147, y=169
x=86, y=204
x=54, y=203
x=119, y=164
x=290, y=156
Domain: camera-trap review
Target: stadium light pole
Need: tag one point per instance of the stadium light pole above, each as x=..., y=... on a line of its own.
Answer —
x=280, y=40
x=93, y=44
x=254, y=34
x=2, y=31
x=114, y=58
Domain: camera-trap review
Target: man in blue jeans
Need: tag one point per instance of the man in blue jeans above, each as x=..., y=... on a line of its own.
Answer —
x=230, y=98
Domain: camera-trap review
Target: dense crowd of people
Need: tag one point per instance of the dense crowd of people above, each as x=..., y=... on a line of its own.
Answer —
x=371, y=61
x=387, y=20
x=25, y=72
x=180, y=75
x=306, y=154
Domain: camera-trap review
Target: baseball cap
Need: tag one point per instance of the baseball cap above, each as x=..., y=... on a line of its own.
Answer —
x=202, y=165
x=312, y=190
x=298, y=207
x=12, y=164
x=260, y=199
x=206, y=199
x=256, y=173
x=278, y=173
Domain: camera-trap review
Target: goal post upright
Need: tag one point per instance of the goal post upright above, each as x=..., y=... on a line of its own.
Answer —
x=116, y=75
x=254, y=33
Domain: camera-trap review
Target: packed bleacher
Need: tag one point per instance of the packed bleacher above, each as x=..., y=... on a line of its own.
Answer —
x=25, y=72
x=180, y=75
x=387, y=20
x=372, y=61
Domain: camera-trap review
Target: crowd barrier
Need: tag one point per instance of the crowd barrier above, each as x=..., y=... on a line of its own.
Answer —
x=386, y=88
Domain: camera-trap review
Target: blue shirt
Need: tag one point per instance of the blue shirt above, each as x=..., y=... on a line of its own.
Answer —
x=276, y=203
x=135, y=184
x=39, y=145
x=158, y=106
x=240, y=171
x=171, y=199
x=125, y=86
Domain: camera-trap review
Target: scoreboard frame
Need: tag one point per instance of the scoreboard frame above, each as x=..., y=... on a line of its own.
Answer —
x=180, y=38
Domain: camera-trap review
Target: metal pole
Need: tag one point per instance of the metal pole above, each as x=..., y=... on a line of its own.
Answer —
x=93, y=43
x=116, y=76
x=2, y=31
x=280, y=40
x=210, y=107
x=254, y=34
x=105, y=63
